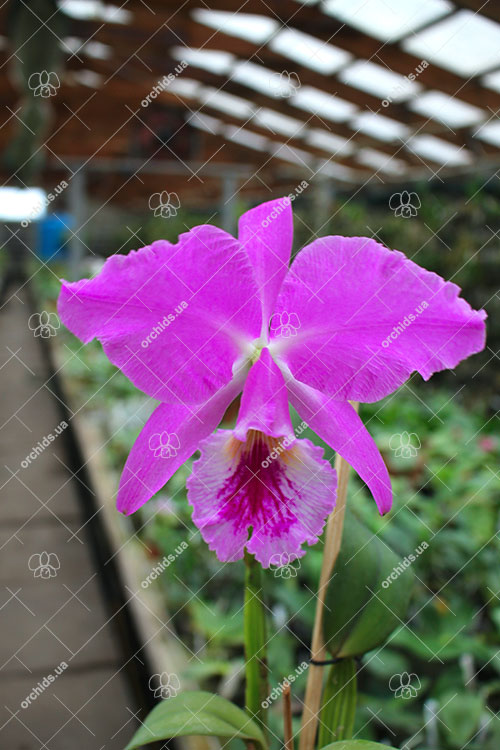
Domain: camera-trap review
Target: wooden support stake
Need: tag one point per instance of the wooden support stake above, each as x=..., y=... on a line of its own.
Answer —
x=333, y=538
x=287, y=717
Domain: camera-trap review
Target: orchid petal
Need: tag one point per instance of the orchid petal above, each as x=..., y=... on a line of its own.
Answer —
x=173, y=318
x=369, y=317
x=266, y=234
x=264, y=403
x=179, y=429
x=282, y=492
x=338, y=424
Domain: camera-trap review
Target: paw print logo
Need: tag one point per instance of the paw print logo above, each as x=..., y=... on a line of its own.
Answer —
x=44, y=84
x=405, y=444
x=284, y=84
x=44, y=324
x=44, y=564
x=284, y=324
x=164, y=685
x=404, y=685
x=164, y=444
x=404, y=204
x=164, y=204
x=284, y=565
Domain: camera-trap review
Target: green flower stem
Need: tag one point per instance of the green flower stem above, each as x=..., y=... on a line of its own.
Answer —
x=339, y=703
x=257, y=688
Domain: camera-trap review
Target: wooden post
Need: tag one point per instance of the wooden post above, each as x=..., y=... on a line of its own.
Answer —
x=229, y=198
x=77, y=205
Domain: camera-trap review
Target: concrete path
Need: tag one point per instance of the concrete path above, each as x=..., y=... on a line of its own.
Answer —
x=51, y=609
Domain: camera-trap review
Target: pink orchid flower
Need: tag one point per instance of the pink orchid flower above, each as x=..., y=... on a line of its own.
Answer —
x=351, y=321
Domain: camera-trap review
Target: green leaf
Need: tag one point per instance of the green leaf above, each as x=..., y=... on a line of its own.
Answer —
x=339, y=703
x=461, y=713
x=360, y=612
x=357, y=745
x=196, y=713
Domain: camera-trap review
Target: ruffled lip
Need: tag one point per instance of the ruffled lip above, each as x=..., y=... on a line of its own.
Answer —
x=278, y=490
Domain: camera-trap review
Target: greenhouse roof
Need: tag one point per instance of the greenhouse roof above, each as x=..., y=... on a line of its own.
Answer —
x=351, y=89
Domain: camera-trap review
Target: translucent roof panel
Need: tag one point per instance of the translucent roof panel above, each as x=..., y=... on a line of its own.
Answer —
x=321, y=104
x=262, y=79
x=309, y=51
x=93, y=49
x=490, y=132
x=379, y=81
x=447, y=109
x=338, y=171
x=246, y=138
x=492, y=80
x=253, y=28
x=387, y=20
x=370, y=157
x=438, y=150
x=17, y=204
x=185, y=87
x=278, y=123
x=88, y=78
x=233, y=105
x=466, y=43
x=329, y=142
x=213, y=60
x=290, y=153
x=378, y=126
x=87, y=10
x=205, y=122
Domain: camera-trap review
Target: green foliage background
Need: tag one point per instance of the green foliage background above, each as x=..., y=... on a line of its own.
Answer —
x=447, y=494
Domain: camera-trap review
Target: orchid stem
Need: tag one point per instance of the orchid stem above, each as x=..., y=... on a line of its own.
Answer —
x=333, y=539
x=256, y=689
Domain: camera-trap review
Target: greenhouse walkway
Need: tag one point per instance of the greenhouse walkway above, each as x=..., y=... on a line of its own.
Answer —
x=62, y=684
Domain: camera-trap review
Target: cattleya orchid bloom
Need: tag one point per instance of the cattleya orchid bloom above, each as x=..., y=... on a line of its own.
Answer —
x=195, y=324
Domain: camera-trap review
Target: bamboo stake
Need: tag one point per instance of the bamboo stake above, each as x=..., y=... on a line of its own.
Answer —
x=333, y=539
x=287, y=717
